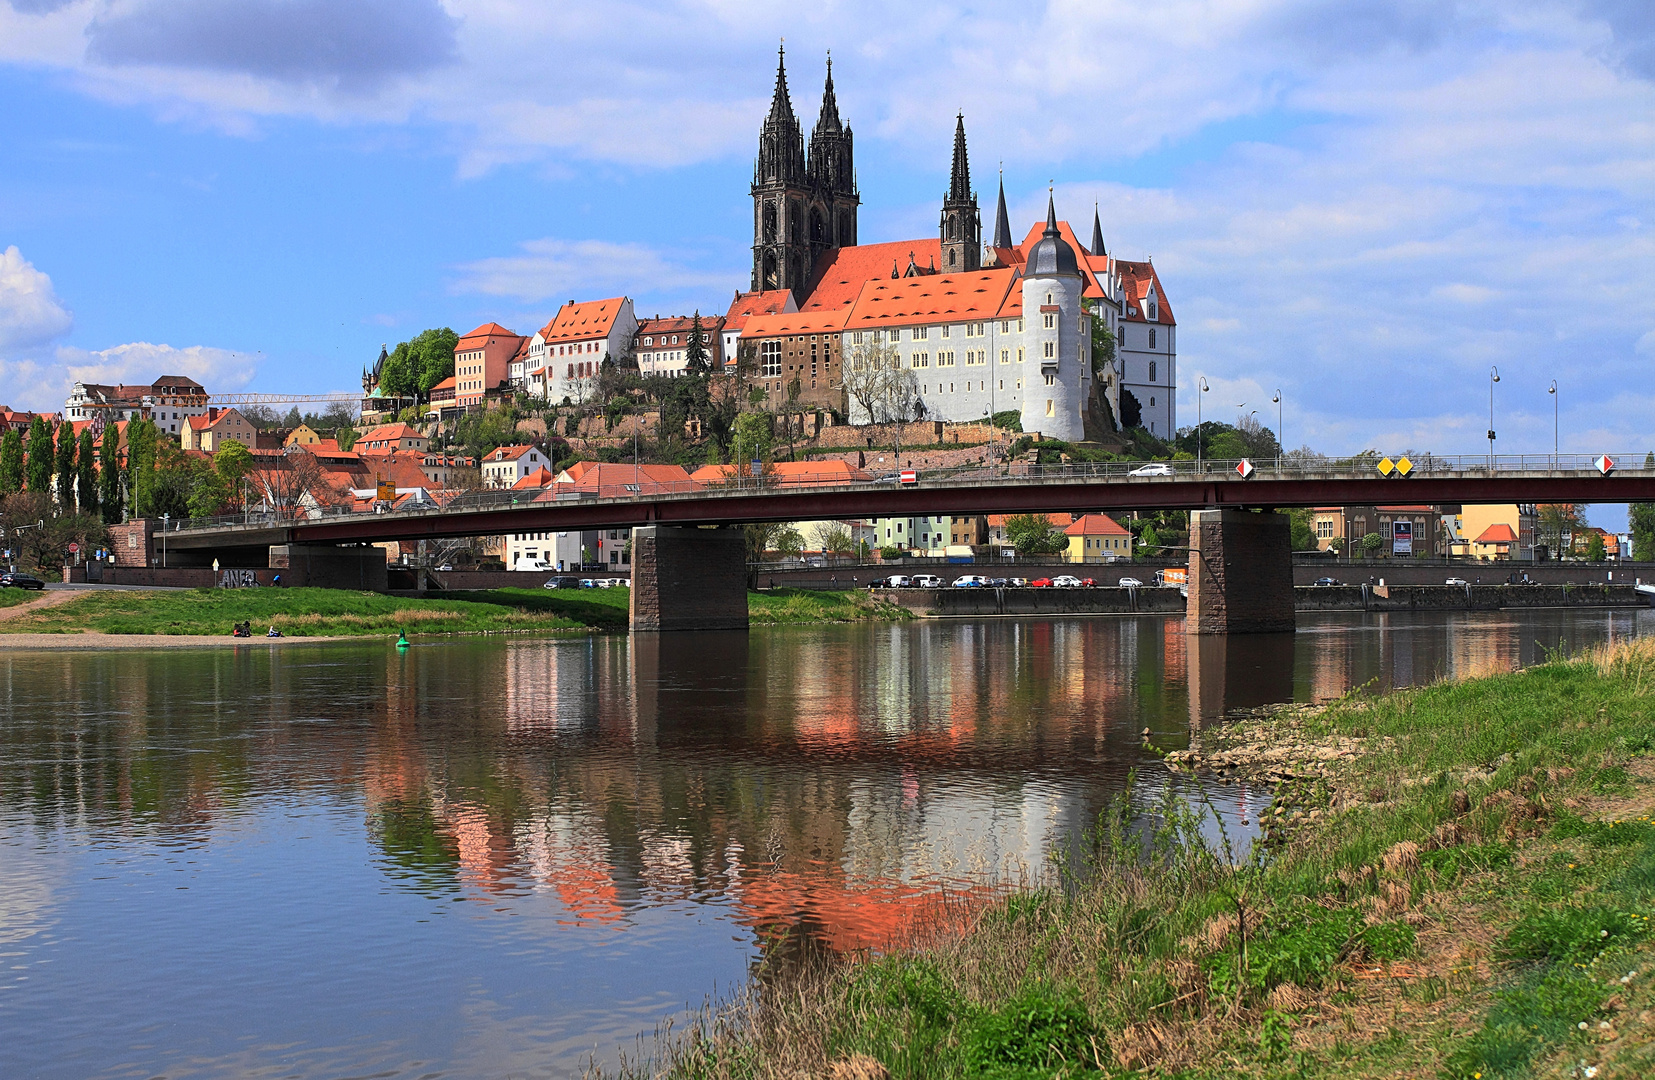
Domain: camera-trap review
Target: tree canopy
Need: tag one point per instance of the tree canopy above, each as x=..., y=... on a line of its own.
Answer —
x=418, y=364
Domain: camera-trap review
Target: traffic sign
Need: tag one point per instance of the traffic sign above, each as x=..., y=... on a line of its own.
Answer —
x=1404, y=466
x=908, y=476
x=1386, y=466
x=1244, y=468
x=1605, y=464
x=74, y=549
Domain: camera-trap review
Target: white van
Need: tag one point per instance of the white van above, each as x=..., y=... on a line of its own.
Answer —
x=531, y=566
x=927, y=581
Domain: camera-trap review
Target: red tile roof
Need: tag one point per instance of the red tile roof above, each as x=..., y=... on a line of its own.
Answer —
x=507, y=453
x=1097, y=525
x=582, y=322
x=1498, y=533
x=803, y=473
x=773, y=302
x=480, y=336
x=797, y=322
x=841, y=272
x=978, y=294
x=541, y=477
x=1135, y=280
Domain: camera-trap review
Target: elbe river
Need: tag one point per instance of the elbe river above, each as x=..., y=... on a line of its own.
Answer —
x=492, y=858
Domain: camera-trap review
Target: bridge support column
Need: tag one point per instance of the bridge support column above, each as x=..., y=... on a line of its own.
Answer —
x=1241, y=573
x=688, y=579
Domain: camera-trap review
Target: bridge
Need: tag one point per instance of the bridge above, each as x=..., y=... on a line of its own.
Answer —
x=1238, y=559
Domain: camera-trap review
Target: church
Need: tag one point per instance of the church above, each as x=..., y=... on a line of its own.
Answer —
x=976, y=328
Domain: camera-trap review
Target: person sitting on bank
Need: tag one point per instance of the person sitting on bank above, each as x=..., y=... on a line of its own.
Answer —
x=273, y=632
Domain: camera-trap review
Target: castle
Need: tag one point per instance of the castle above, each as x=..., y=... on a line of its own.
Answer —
x=979, y=329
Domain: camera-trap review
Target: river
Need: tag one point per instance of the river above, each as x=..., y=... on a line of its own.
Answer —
x=501, y=857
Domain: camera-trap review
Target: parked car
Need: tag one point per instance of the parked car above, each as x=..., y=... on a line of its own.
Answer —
x=1130, y=583
x=1041, y=583
x=21, y=581
x=927, y=581
x=1087, y=583
x=588, y=583
x=1326, y=581
x=445, y=567
x=971, y=581
x=562, y=583
x=1019, y=582
x=621, y=582
x=899, y=581
x=1065, y=581
x=1154, y=468
x=998, y=583
x=1456, y=581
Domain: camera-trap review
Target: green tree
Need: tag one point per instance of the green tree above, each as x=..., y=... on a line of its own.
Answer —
x=418, y=364
x=40, y=456
x=1595, y=550
x=1033, y=534
x=232, y=462
x=11, y=462
x=1149, y=541
x=697, y=364
x=1302, y=532
x=109, y=474
x=1559, y=521
x=751, y=441
x=1371, y=543
x=140, y=467
x=1641, y=518
x=86, y=478
x=64, y=468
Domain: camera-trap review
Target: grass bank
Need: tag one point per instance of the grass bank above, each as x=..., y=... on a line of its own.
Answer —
x=318, y=613
x=13, y=597
x=820, y=606
x=1457, y=881
x=337, y=612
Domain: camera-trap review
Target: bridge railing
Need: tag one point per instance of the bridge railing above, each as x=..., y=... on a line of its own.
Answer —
x=1397, y=469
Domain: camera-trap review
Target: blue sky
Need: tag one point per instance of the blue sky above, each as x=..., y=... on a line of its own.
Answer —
x=1365, y=206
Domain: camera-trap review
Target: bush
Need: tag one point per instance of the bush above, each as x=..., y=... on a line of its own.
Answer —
x=1038, y=1029
x=1573, y=935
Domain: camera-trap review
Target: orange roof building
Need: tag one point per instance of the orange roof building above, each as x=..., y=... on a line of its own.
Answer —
x=662, y=345
x=1097, y=538
x=482, y=362
x=562, y=359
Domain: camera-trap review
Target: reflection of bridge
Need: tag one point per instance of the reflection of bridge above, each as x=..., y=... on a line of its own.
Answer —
x=1240, y=568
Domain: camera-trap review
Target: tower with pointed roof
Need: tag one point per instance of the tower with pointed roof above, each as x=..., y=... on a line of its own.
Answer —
x=1058, y=337
x=961, y=227
x=802, y=206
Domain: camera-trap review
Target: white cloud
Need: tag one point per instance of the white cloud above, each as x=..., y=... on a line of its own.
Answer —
x=551, y=269
x=41, y=383
x=30, y=312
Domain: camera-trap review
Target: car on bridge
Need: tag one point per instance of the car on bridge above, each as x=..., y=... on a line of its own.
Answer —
x=1154, y=468
x=1327, y=581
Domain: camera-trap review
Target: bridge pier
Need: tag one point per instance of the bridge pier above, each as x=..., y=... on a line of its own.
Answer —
x=688, y=579
x=1241, y=573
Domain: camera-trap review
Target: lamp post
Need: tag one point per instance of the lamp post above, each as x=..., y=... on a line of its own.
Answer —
x=1201, y=388
x=1493, y=377
x=1552, y=390
x=1281, y=445
x=164, y=519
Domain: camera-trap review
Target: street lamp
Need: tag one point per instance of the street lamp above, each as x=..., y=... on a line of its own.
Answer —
x=164, y=519
x=1552, y=390
x=1493, y=377
x=1202, y=388
x=1281, y=444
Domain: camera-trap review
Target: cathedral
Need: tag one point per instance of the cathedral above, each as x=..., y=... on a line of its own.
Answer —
x=982, y=328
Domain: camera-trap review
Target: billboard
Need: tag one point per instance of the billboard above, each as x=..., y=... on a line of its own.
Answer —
x=1402, y=538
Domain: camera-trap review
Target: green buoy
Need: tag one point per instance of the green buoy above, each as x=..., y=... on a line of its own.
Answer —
x=402, y=639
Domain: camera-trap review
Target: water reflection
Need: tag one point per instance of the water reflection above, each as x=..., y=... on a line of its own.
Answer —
x=515, y=851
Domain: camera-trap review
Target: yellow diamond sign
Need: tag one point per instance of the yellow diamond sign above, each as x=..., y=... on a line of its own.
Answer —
x=1386, y=466
x=1404, y=467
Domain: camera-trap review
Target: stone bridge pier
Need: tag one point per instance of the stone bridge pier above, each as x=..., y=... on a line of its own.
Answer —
x=1241, y=573
x=688, y=579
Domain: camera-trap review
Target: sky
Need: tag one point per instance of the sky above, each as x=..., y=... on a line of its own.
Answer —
x=1364, y=206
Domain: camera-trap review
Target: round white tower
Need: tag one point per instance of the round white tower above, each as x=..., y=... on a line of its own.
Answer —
x=1057, y=373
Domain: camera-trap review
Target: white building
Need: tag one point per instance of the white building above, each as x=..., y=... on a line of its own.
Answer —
x=1003, y=338
x=563, y=358
x=505, y=466
x=1146, y=342
x=170, y=402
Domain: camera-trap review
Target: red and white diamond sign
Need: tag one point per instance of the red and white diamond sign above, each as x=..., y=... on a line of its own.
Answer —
x=1604, y=463
x=1244, y=468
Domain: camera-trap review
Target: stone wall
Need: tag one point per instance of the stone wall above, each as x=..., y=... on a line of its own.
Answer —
x=688, y=579
x=1241, y=573
x=133, y=542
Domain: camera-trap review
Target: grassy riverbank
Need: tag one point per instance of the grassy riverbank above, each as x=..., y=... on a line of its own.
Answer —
x=336, y=612
x=1458, y=881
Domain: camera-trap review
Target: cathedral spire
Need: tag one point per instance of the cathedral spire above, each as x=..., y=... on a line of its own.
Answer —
x=1002, y=222
x=781, y=103
x=959, y=179
x=1097, y=233
x=1051, y=216
x=828, y=120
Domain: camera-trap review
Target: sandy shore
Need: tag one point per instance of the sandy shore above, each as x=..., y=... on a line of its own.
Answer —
x=93, y=640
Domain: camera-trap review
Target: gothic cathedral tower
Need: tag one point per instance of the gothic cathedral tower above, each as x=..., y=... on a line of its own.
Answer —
x=801, y=208
x=961, y=227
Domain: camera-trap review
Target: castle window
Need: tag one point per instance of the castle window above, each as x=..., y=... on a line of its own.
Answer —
x=1051, y=379
x=770, y=356
x=1051, y=321
x=1005, y=356
x=1019, y=325
x=1005, y=326
x=1152, y=401
x=945, y=331
x=921, y=333
x=1048, y=298
x=1019, y=356
x=1049, y=407
x=1152, y=371
x=856, y=338
x=1051, y=350
x=1152, y=339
